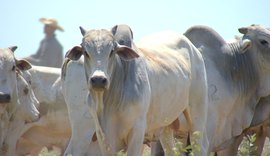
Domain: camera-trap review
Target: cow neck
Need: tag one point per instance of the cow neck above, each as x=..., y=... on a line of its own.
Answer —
x=14, y=103
x=113, y=96
x=97, y=118
x=242, y=70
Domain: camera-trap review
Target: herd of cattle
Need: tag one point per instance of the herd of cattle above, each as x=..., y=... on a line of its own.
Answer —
x=112, y=94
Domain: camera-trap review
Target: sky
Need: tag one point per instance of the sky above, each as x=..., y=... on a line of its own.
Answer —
x=20, y=26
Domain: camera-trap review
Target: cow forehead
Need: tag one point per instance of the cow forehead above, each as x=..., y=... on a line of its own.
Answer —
x=261, y=30
x=21, y=82
x=6, y=58
x=98, y=40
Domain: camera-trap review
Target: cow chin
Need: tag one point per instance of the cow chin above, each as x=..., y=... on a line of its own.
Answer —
x=4, y=98
x=3, y=107
x=98, y=88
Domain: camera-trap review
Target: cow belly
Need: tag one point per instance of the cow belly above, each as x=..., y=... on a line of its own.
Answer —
x=167, y=103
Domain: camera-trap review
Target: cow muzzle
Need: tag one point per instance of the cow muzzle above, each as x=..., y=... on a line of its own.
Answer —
x=4, y=98
x=99, y=83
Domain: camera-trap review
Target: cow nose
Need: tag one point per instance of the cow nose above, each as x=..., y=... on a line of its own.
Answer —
x=4, y=98
x=99, y=82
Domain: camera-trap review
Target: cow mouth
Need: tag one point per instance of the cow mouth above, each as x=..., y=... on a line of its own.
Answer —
x=4, y=98
x=98, y=89
x=4, y=102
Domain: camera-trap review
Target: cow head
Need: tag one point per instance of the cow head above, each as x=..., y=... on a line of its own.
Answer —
x=260, y=51
x=27, y=110
x=260, y=39
x=101, y=51
x=123, y=34
x=8, y=74
x=8, y=81
x=102, y=56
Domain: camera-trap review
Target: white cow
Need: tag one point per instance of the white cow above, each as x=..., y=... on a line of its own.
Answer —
x=237, y=79
x=18, y=103
x=133, y=92
x=82, y=141
x=53, y=128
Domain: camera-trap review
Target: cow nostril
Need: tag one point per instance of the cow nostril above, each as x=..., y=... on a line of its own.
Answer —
x=104, y=81
x=93, y=80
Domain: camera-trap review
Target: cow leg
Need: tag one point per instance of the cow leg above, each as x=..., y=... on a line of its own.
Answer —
x=156, y=149
x=198, y=104
x=232, y=149
x=260, y=139
x=167, y=141
x=136, y=137
x=82, y=131
x=79, y=142
x=201, y=139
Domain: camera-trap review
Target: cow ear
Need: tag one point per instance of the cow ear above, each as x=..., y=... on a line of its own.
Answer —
x=13, y=48
x=114, y=29
x=23, y=65
x=75, y=53
x=83, y=31
x=94, y=137
x=243, y=30
x=126, y=53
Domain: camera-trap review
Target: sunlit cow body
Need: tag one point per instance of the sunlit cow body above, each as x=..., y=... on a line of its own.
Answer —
x=237, y=79
x=133, y=93
x=81, y=141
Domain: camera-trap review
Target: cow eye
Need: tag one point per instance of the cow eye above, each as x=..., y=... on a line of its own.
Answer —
x=111, y=53
x=25, y=90
x=13, y=68
x=86, y=54
x=264, y=42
